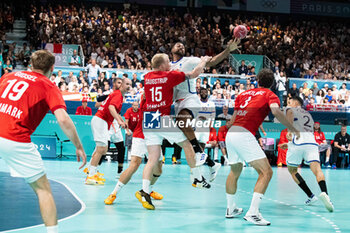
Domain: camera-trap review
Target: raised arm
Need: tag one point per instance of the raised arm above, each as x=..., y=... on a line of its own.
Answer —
x=69, y=129
x=275, y=109
x=198, y=69
x=231, y=46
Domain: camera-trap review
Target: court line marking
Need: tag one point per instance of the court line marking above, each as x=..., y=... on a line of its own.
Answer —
x=82, y=209
x=331, y=223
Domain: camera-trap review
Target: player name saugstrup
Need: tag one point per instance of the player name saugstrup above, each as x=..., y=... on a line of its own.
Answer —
x=10, y=110
x=156, y=81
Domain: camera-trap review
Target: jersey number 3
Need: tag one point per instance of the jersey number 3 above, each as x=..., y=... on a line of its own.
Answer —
x=15, y=90
x=246, y=102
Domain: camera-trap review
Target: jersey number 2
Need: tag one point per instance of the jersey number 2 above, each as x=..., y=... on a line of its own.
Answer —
x=17, y=89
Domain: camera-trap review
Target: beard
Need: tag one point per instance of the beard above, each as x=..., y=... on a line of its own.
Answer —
x=179, y=53
x=204, y=97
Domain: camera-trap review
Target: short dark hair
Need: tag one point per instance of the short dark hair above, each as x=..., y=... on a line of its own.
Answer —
x=203, y=89
x=266, y=78
x=297, y=98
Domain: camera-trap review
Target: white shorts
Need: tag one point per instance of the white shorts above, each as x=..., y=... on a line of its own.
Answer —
x=172, y=133
x=23, y=159
x=296, y=154
x=241, y=145
x=191, y=103
x=100, y=133
x=139, y=148
x=115, y=133
x=203, y=137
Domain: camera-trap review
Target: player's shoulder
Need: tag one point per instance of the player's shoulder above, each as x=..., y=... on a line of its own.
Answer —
x=192, y=59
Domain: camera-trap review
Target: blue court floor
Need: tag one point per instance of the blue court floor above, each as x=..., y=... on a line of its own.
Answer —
x=186, y=209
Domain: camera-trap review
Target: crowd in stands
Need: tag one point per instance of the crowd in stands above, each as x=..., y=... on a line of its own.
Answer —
x=127, y=37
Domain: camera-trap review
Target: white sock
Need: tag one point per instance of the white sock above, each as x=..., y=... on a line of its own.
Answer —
x=52, y=229
x=197, y=173
x=92, y=170
x=230, y=201
x=327, y=159
x=255, y=204
x=216, y=153
x=146, y=185
x=118, y=187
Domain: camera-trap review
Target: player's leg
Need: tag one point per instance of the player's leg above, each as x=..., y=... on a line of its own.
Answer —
x=316, y=169
x=93, y=177
x=231, y=188
x=298, y=179
x=157, y=172
x=47, y=204
x=222, y=146
x=121, y=155
x=213, y=167
x=124, y=178
x=154, y=152
x=264, y=170
x=199, y=180
x=182, y=118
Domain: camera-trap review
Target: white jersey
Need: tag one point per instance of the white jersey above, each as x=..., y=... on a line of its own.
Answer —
x=188, y=87
x=207, y=110
x=304, y=123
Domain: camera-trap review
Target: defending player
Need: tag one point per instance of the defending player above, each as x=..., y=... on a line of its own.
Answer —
x=207, y=113
x=185, y=96
x=100, y=124
x=251, y=108
x=138, y=151
x=159, y=86
x=305, y=148
x=26, y=97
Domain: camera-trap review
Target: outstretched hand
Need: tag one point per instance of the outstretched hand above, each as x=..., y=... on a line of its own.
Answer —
x=234, y=45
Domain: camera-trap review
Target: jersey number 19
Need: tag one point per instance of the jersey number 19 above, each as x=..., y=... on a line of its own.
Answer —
x=16, y=89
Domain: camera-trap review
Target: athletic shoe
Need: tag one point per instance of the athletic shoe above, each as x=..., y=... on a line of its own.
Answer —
x=163, y=160
x=86, y=171
x=94, y=180
x=279, y=165
x=234, y=213
x=334, y=166
x=222, y=160
x=156, y=196
x=200, y=184
x=110, y=199
x=311, y=200
x=326, y=201
x=174, y=160
x=145, y=199
x=200, y=158
x=327, y=165
x=257, y=220
x=120, y=169
x=214, y=171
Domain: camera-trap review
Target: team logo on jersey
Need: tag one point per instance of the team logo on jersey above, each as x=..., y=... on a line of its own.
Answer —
x=151, y=120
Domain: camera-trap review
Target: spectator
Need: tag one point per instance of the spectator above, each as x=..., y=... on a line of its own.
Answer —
x=224, y=115
x=322, y=143
x=69, y=78
x=212, y=144
x=242, y=69
x=341, y=146
x=315, y=88
x=309, y=75
x=311, y=105
x=251, y=74
x=7, y=67
x=282, y=153
x=134, y=80
x=84, y=109
x=221, y=140
x=75, y=59
x=294, y=90
x=280, y=85
x=320, y=96
x=329, y=95
x=93, y=70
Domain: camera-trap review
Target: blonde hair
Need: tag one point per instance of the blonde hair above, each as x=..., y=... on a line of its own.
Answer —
x=42, y=60
x=158, y=60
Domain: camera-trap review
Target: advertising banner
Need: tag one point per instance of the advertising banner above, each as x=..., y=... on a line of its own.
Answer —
x=324, y=8
x=274, y=6
x=62, y=52
x=253, y=60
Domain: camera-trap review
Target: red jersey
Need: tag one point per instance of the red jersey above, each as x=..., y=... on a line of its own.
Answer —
x=159, y=90
x=25, y=98
x=252, y=107
x=212, y=135
x=81, y=111
x=319, y=137
x=138, y=133
x=222, y=133
x=133, y=117
x=115, y=99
